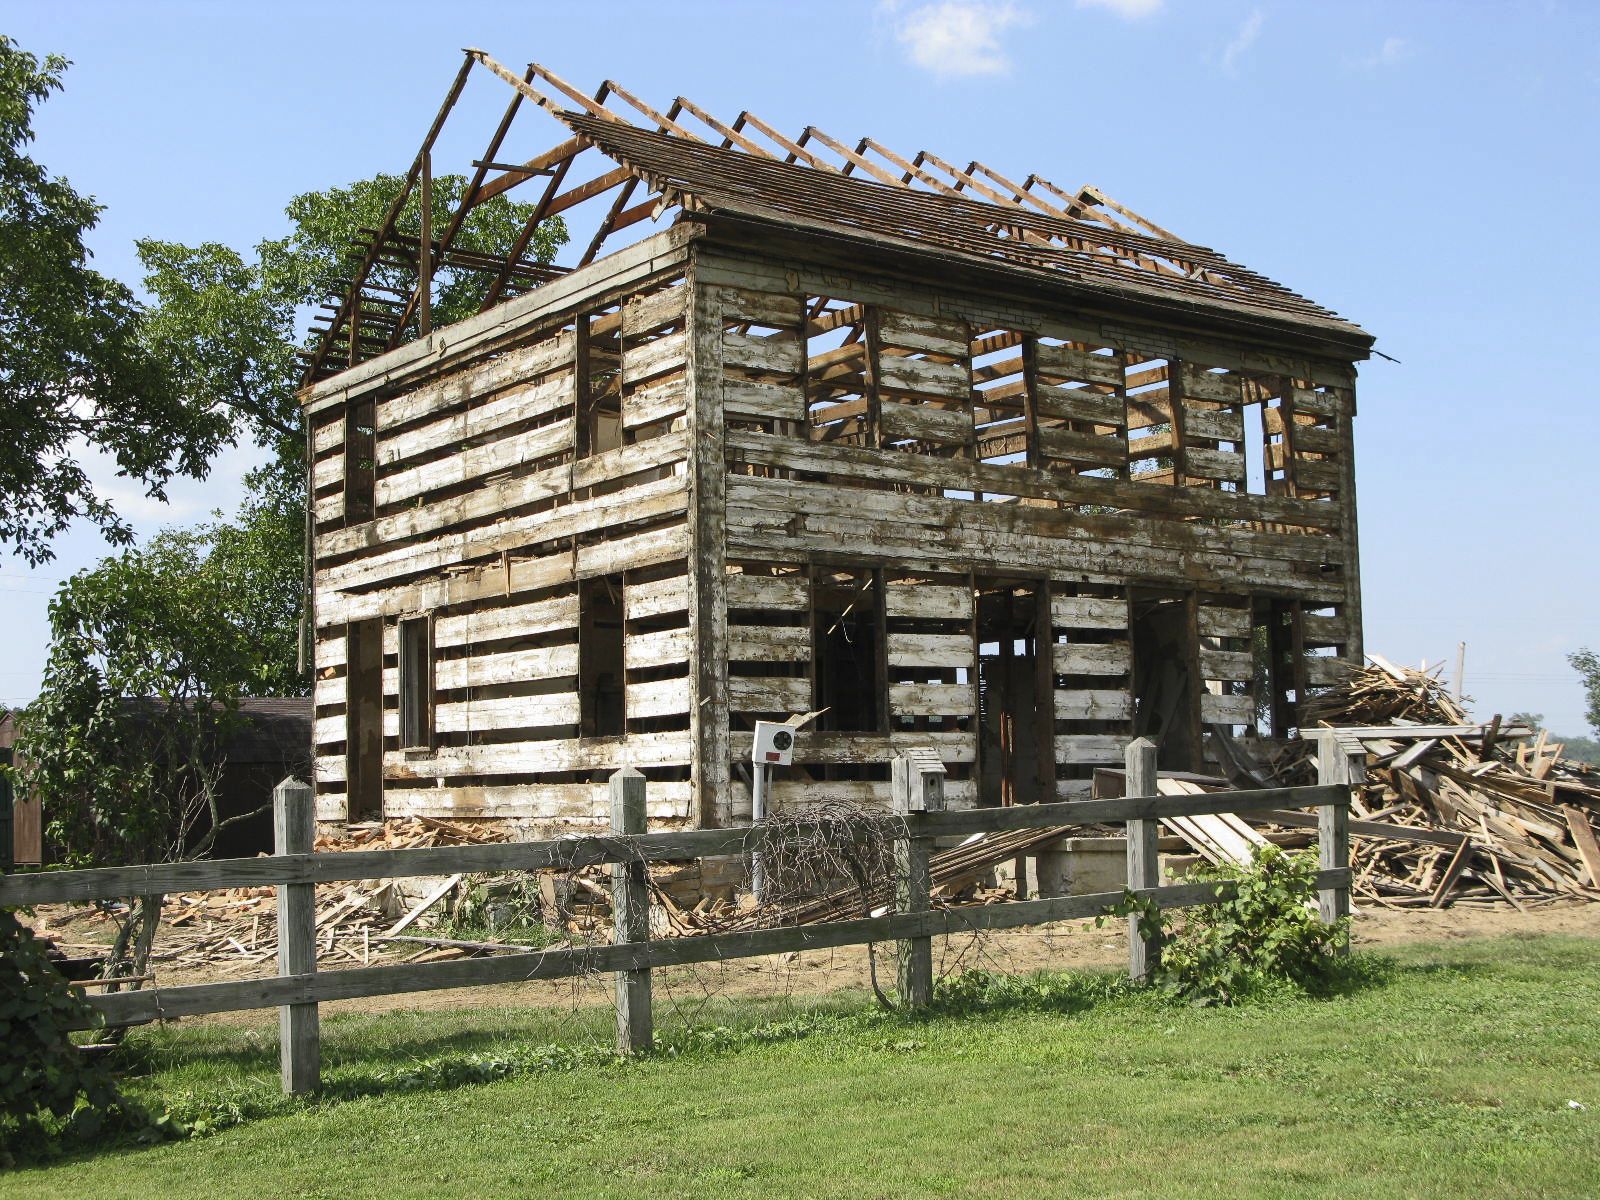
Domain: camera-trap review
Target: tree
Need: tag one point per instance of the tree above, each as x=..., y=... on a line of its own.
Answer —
x=150, y=652
x=75, y=367
x=228, y=326
x=1587, y=664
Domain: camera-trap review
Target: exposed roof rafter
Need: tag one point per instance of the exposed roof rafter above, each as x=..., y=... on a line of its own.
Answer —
x=750, y=170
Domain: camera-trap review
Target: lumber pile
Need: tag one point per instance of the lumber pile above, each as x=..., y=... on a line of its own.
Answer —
x=234, y=931
x=1455, y=811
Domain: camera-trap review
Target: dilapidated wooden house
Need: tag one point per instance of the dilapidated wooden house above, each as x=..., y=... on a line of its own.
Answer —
x=991, y=467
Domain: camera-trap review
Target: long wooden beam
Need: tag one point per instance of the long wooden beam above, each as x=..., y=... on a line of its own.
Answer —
x=730, y=136
x=54, y=887
x=352, y=299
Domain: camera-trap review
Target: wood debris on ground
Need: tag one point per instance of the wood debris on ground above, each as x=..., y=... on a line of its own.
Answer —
x=1508, y=820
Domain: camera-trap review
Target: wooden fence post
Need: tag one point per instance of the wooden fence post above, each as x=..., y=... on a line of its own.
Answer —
x=630, y=914
x=1144, y=858
x=918, y=786
x=294, y=825
x=1341, y=761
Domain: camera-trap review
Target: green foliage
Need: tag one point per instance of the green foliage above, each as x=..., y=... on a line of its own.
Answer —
x=304, y=267
x=978, y=992
x=1587, y=664
x=228, y=326
x=150, y=652
x=75, y=368
x=1264, y=938
x=229, y=340
x=51, y=1096
x=501, y=911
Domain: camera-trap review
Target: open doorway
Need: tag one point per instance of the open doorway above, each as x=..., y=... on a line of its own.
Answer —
x=1166, y=678
x=364, y=720
x=1016, y=758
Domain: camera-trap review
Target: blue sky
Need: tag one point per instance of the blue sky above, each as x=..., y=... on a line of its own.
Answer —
x=1427, y=170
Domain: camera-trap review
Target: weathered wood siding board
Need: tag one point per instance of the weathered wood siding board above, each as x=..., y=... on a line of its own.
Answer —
x=493, y=502
x=917, y=422
x=666, y=802
x=769, y=516
x=608, y=511
x=1098, y=704
x=930, y=601
x=826, y=748
x=1227, y=710
x=791, y=794
x=863, y=466
x=659, y=698
x=772, y=695
x=1093, y=658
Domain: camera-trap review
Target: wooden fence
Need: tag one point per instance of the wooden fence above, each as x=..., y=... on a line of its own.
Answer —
x=299, y=987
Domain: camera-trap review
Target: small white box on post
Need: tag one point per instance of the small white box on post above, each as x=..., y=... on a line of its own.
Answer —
x=917, y=780
x=630, y=914
x=294, y=826
x=772, y=746
x=1144, y=858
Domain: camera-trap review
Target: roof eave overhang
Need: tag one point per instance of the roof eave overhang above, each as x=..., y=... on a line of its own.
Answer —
x=1333, y=339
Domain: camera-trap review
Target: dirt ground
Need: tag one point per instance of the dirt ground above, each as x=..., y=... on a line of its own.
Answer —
x=1060, y=946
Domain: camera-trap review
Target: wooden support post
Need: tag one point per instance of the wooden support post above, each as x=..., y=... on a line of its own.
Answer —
x=630, y=911
x=1144, y=860
x=299, y=1040
x=425, y=249
x=918, y=785
x=1341, y=761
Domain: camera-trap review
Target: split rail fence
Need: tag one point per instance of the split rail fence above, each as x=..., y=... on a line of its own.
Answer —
x=299, y=987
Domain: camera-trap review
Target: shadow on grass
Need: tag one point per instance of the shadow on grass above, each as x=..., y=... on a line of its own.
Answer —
x=368, y=1061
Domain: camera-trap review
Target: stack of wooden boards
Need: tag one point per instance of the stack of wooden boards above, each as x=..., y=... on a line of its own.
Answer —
x=1453, y=811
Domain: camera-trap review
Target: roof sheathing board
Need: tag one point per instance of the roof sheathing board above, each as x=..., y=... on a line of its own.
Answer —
x=712, y=179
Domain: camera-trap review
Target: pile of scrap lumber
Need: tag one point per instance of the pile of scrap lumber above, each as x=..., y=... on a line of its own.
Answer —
x=234, y=930
x=1455, y=811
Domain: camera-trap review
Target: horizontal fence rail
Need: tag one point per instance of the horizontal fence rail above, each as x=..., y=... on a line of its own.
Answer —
x=101, y=883
x=357, y=982
x=919, y=819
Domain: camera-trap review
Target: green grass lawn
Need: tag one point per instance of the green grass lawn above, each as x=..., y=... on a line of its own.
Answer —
x=1449, y=1075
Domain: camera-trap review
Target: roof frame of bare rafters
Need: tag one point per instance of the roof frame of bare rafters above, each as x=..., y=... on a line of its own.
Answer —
x=684, y=157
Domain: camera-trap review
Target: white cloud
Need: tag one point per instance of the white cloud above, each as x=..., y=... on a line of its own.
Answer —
x=1249, y=31
x=1130, y=10
x=957, y=37
x=1394, y=51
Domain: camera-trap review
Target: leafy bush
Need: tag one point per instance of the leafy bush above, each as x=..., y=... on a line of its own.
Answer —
x=501, y=910
x=50, y=1094
x=979, y=992
x=1264, y=937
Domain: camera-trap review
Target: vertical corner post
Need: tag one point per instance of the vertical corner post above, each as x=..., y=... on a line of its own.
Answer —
x=299, y=1033
x=1144, y=859
x=1342, y=762
x=918, y=786
x=630, y=908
